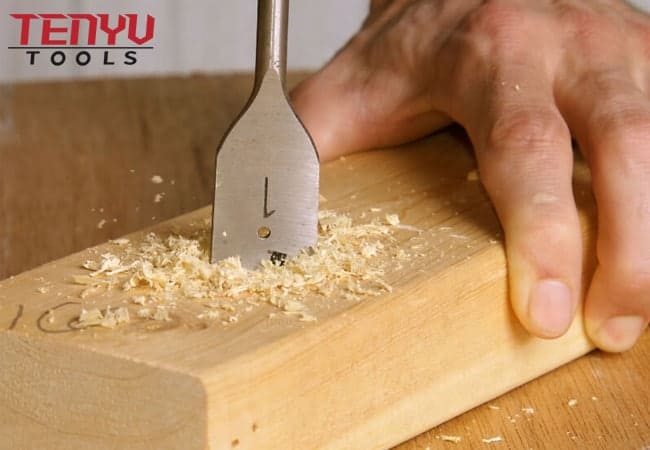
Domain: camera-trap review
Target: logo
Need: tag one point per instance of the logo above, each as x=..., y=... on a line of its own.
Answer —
x=83, y=39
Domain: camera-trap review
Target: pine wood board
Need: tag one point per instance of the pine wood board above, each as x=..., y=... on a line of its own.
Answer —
x=365, y=375
x=611, y=410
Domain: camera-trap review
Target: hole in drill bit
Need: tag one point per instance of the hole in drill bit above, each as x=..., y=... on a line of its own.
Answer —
x=263, y=232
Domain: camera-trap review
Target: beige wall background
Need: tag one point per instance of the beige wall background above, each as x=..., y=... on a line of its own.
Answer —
x=191, y=35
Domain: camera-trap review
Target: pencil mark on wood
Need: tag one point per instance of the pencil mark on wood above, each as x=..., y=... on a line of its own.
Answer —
x=70, y=328
x=19, y=314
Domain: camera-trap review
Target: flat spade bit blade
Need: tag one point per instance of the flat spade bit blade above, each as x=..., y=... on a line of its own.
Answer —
x=267, y=170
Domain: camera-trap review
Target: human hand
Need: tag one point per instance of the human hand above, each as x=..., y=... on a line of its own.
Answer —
x=521, y=76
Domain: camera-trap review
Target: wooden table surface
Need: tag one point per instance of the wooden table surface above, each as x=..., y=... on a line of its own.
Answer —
x=76, y=161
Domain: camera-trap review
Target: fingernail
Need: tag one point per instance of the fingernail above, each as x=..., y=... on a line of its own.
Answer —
x=619, y=333
x=550, y=308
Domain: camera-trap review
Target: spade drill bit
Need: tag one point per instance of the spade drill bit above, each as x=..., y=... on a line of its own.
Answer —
x=267, y=169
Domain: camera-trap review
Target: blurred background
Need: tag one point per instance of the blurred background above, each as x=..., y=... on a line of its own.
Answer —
x=191, y=36
x=195, y=36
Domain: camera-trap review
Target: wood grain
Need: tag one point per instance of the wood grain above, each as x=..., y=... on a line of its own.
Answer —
x=348, y=397
x=612, y=395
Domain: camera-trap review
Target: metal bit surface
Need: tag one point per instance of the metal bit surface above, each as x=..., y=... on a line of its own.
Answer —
x=267, y=170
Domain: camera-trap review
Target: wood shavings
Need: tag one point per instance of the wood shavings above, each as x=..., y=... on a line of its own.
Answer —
x=158, y=197
x=144, y=313
x=139, y=300
x=370, y=249
x=157, y=179
x=101, y=224
x=572, y=403
x=42, y=290
x=90, y=317
x=292, y=305
x=109, y=319
x=449, y=438
x=494, y=407
x=492, y=440
x=348, y=259
x=120, y=241
x=472, y=175
x=91, y=290
x=392, y=219
x=122, y=315
x=528, y=410
x=209, y=314
x=160, y=314
x=113, y=318
x=402, y=226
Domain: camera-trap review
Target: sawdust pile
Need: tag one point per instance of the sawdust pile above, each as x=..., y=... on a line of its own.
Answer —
x=348, y=261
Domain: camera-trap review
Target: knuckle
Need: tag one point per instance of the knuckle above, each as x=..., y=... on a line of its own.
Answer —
x=592, y=31
x=523, y=146
x=496, y=20
x=622, y=134
x=582, y=23
x=527, y=131
x=623, y=120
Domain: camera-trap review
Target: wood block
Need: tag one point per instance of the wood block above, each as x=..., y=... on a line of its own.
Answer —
x=367, y=374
